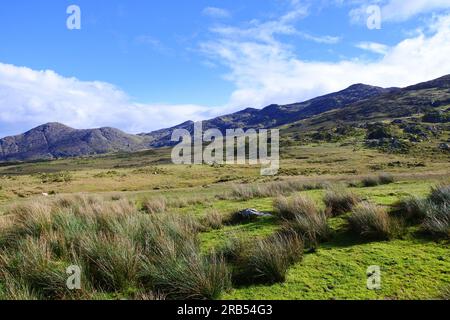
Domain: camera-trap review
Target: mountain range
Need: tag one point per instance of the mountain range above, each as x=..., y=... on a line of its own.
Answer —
x=356, y=104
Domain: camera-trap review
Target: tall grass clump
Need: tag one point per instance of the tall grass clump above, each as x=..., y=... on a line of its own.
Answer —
x=289, y=208
x=267, y=260
x=189, y=275
x=33, y=266
x=312, y=228
x=112, y=262
x=373, y=181
x=370, y=221
x=411, y=209
x=370, y=182
x=386, y=178
x=155, y=205
x=437, y=219
x=271, y=189
x=302, y=216
x=115, y=245
x=213, y=220
x=440, y=195
x=433, y=212
x=339, y=200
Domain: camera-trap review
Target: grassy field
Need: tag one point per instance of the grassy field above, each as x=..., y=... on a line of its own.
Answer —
x=414, y=264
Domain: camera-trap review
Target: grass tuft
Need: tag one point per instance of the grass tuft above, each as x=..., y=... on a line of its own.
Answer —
x=339, y=200
x=370, y=221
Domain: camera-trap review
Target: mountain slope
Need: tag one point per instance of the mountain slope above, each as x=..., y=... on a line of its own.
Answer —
x=276, y=115
x=398, y=103
x=54, y=140
x=356, y=104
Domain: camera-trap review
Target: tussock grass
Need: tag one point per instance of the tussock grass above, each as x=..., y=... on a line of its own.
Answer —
x=271, y=189
x=440, y=195
x=114, y=244
x=370, y=182
x=437, y=219
x=183, y=202
x=411, y=209
x=386, y=178
x=155, y=205
x=339, y=200
x=213, y=220
x=370, y=221
x=290, y=208
x=303, y=217
x=189, y=275
x=381, y=179
x=267, y=260
x=312, y=228
x=432, y=212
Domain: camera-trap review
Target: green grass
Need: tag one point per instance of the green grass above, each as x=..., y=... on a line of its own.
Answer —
x=413, y=265
x=410, y=270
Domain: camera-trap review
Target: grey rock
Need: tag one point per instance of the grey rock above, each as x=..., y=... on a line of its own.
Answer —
x=249, y=213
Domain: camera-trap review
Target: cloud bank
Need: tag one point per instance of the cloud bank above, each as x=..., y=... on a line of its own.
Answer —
x=265, y=71
x=29, y=98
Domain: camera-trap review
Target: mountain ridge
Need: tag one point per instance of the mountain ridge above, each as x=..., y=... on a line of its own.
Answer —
x=359, y=102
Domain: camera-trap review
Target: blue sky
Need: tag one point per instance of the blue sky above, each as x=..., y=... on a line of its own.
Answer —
x=141, y=65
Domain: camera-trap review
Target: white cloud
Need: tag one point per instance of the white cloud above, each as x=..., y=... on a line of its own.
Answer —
x=29, y=98
x=216, y=12
x=373, y=47
x=397, y=10
x=266, y=71
x=320, y=39
x=401, y=10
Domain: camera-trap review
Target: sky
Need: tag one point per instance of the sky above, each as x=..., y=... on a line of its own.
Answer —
x=142, y=65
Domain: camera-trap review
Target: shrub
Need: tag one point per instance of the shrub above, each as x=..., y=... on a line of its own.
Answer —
x=155, y=205
x=370, y=221
x=289, y=209
x=339, y=200
x=268, y=260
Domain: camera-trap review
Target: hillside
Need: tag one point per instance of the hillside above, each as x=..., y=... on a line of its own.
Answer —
x=54, y=140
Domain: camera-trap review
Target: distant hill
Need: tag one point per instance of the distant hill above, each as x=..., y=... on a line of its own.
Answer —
x=55, y=140
x=356, y=104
